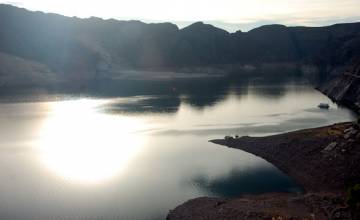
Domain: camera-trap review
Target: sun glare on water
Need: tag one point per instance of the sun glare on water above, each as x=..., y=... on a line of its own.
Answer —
x=82, y=145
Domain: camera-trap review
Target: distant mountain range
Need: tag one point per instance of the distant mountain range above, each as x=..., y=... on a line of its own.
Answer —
x=36, y=47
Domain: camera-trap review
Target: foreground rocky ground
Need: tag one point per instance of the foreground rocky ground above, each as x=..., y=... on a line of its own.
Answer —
x=325, y=161
x=268, y=206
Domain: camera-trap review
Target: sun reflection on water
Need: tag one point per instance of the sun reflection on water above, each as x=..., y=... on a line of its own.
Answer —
x=82, y=145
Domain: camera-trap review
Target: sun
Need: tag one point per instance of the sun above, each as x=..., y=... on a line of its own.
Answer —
x=82, y=145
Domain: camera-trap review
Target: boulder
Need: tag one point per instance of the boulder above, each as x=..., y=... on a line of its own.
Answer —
x=348, y=130
x=330, y=147
x=357, y=136
x=347, y=136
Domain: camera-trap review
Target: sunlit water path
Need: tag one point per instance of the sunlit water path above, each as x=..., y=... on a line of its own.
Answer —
x=137, y=157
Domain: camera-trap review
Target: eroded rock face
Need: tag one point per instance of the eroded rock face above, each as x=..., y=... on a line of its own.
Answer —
x=345, y=87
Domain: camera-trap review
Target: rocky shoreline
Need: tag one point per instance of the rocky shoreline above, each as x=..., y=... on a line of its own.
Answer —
x=344, y=87
x=325, y=161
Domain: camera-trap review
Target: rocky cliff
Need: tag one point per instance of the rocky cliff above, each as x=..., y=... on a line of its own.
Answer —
x=344, y=87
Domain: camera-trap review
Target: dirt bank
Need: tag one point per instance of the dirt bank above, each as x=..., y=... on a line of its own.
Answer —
x=320, y=159
x=325, y=161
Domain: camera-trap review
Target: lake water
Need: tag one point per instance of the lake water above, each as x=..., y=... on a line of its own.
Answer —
x=137, y=155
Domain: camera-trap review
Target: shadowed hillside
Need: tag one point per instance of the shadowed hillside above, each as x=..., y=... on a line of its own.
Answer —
x=50, y=47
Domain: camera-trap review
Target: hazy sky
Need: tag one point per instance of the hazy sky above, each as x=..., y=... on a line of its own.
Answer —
x=227, y=14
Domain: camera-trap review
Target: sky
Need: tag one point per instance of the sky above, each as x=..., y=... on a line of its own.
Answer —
x=230, y=15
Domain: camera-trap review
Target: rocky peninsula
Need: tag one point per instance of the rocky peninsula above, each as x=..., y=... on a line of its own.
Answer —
x=325, y=161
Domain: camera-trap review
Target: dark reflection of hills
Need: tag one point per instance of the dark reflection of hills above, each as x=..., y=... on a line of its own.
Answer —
x=165, y=96
x=251, y=181
x=156, y=104
x=123, y=88
x=199, y=92
x=205, y=93
x=270, y=91
x=274, y=87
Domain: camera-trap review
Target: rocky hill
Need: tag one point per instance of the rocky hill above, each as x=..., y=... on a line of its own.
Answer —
x=73, y=48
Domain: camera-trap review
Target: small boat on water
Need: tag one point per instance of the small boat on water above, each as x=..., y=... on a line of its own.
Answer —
x=324, y=106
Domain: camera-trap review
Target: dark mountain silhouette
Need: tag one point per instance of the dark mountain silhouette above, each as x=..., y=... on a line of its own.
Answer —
x=36, y=47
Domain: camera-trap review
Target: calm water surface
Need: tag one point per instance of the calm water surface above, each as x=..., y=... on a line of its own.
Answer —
x=138, y=156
